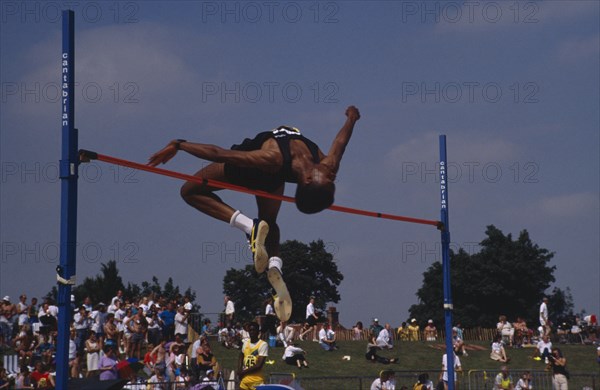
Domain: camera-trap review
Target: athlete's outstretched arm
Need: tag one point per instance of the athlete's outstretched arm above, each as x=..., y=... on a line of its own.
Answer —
x=338, y=146
x=256, y=158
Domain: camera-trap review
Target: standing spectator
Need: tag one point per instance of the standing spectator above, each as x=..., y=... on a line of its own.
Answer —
x=181, y=322
x=229, y=310
x=252, y=359
x=544, y=322
x=154, y=330
x=167, y=317
x=82, y=326
x=110, y=331
x=386, y=381
x=270, y=318
x=375, y=328
x=457, y=369
x=87, y=303
x=498, y=353
x=560, y=375
x=403, y=332
x=22, y=310
x=384, y=339
x=430, y=331
x=357, y=331
x=139, y=329
x=118, y=297
x=524, y=382
x=32, y=311
x=108, y=365
x=327, y=338
x=311, y=320
x=74, y=355
x=413, y=330
x=7, y=314
x=294, y=356
x=93, y=346
x=503, y=380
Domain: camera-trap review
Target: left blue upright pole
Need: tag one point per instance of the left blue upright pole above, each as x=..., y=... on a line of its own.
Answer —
x=68, y=204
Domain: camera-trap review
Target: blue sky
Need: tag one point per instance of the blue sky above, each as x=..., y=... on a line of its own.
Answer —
x=514, y=86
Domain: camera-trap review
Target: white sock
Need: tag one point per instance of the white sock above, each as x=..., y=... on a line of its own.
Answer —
x=241, y=222
x=275, y=262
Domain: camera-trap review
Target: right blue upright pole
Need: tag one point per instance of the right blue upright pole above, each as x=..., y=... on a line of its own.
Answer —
x=445, y=232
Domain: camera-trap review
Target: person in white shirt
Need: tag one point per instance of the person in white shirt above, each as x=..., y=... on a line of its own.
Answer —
x=498, y=353
x=327, y=338
x=181, y=322
x=229, y=309
x=285, y=333
x=294, y=355
x=524, y=382
x=384, y=339
x=311, y=320
x=386, y=381
x=457, y=368
x=544, y=323
x=544, y=347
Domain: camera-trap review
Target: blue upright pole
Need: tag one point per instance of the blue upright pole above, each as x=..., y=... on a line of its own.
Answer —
x=445, y=232
x=68, y=205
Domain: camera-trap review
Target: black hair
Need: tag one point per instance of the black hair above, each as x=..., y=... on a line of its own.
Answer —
x=314, y=197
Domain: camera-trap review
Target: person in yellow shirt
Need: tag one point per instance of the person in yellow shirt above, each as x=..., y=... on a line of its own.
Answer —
x=252, y=359
x=413, y=330
x=403, y=332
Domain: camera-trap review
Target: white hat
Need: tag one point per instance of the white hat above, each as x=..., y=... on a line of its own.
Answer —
x=72, y=298
x=430, y=322
x=6, y=298
x=375, y=320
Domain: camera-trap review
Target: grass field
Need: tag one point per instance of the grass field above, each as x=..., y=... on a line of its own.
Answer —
x=416, y=357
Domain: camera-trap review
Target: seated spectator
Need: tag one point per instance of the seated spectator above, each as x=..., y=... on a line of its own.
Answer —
x=413, y=330
x=386, y=380
x=524, y=382
x=285, y=333
x=384, y=339
x=207, y=328
x=159, y=355
x=158, y=380
x=458, y=343
x=423, y=383
x=430, y=331
x=41, y=377
x=357, y=331
x=371, y=355
x=206, y=359
x=23, y=380
x=294, y=356
x=522, y=333
x=209, y=382
x=46, y=349
x=74, y=356
x=503, y=380
x=227, y=336
x=543, y=350
x=403, y=332
x=505, y=329
x=498, y=353
x=327, y=338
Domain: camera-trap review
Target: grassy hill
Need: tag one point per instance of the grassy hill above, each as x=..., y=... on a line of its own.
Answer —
x=414, y=357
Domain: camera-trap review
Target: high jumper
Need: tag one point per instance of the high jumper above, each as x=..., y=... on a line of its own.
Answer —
x=265, y=163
